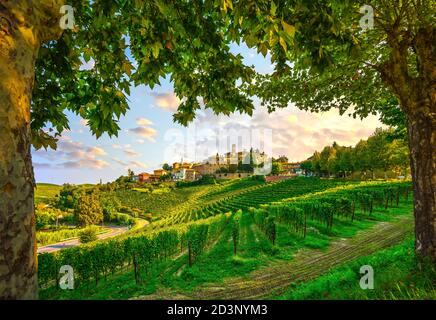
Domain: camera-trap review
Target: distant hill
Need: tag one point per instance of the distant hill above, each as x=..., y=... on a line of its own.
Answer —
x=46, y=192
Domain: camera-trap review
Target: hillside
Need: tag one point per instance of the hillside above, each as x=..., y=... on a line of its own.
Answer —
x=238, y=232
x=45, y=192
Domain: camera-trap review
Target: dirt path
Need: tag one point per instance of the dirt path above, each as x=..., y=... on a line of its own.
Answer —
x=306, y=265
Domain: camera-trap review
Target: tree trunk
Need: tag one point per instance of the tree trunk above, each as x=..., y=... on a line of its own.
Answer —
x=417, y=96
x=422, y=139
x=23, y=26
x=18, y=52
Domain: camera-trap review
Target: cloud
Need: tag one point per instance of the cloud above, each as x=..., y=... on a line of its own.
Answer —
x=143, y=122
x=72, y=155
x=66, y=144
x=292, y=118
x=120, y=162
x=295, y=133
x=132, y=164
x=83, y=122
x=116, y=146
x=77, y=154
x=167, y=101
x=131, y=153
x=145, y=132
x=137, y=164
x=85, y=164
x=38, y=165
x=96, y=151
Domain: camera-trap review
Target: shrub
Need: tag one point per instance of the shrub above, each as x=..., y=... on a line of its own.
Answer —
x=259, y=178
x=123, y=219
x=46, y=217
x=88, y=235
x=136, y=212
x=204, y=180
x=124, y=209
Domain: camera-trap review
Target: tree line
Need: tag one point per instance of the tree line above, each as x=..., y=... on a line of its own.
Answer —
x=381, y=152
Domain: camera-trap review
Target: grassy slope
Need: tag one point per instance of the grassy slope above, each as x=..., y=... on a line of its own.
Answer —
x=180, y=199
x=45, y=192
x=158, y=204
x=288, y=263
x=396, y=276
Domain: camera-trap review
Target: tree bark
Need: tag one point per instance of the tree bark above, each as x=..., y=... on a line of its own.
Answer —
x=420, y=107
x=417, y=96
x=422, y=139
x=23, y=27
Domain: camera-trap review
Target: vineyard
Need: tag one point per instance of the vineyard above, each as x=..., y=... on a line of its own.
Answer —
x=243, y=195
x=233, y=233
x=46, y=238
x=156, y=203
x=45, y=193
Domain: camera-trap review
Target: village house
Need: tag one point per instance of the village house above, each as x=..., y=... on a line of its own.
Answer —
x=190, y=175
x=185, y=175
x=160, y=172
x=144, y=177
x=147, y=177
x=157, y=174
x=181, y=165
x=206, y=168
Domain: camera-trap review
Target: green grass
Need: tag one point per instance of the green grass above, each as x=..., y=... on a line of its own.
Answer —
x=46, y=193
x=245, y=193
x=227, y=188
x=396, y=277
x=256, y=251
x=219, y=263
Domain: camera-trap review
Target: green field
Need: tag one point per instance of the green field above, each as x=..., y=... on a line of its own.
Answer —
x=46, y=193
x=157, y=203
x=190, y=251
x=396, y=277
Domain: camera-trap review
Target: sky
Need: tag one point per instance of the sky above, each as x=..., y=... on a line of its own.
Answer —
x=149, y=137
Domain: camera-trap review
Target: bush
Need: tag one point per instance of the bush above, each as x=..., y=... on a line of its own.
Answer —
x=88, y=235
x=136, y=212
x=124, y=209
x=259, y=178
x=204, y=180
x=123, y=219
x=46, y=217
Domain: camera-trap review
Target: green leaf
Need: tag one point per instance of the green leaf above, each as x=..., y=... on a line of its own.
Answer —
x=289, y=29
x=273, y=10
x=157, y=46
x=283, y=44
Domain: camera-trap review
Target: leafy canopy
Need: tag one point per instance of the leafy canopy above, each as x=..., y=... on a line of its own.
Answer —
x=322, y=57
